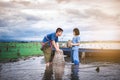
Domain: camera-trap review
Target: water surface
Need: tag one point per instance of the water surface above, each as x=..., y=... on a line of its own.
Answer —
x=90, y=68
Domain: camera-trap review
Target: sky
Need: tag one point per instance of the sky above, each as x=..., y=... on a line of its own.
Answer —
x=31, y=20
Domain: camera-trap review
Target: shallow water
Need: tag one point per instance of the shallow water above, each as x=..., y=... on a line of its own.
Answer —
x=34, y=69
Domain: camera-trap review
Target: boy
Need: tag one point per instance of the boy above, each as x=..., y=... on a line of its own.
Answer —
x=48, y=41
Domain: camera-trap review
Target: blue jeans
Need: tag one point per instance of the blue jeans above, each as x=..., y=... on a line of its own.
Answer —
x=75, y=57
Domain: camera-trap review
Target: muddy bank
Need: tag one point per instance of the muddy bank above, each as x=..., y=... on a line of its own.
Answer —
x=8, y=60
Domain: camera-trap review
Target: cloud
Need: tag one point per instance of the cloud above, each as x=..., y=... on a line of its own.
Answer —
x=99, y=35
x=20, y=19
x=3, y=23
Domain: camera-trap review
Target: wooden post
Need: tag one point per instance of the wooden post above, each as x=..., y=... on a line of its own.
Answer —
x=83, y=55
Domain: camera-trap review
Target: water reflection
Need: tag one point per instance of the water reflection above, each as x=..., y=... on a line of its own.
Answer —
x=54, y=72
x=74, y=72
x=58, y=70
x=48, y=74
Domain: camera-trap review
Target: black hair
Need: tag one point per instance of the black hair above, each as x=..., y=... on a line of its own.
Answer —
x=59, y=30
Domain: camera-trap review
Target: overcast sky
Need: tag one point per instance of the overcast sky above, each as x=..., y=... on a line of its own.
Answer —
x=33, y=19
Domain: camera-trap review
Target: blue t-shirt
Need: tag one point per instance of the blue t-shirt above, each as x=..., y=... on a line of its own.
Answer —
x=75, y=40
x=50, y=37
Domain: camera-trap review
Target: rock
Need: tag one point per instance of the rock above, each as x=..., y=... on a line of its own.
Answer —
x=58, y=58
x=69, y=44
x=97, y=69
x=58, y=65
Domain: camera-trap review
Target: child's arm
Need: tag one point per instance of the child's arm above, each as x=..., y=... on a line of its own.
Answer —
x=76, y=44
x=55, y=45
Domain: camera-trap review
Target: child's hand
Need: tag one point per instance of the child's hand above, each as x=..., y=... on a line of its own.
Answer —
x=71, y=44
x=58, y=50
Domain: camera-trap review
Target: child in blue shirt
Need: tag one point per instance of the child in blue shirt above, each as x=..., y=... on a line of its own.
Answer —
x=75, y=46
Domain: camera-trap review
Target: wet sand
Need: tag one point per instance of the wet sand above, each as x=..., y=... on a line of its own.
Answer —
x=34, y=69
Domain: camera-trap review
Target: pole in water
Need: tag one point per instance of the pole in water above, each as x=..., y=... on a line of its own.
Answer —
x=83, y=55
